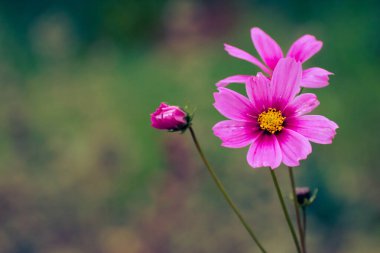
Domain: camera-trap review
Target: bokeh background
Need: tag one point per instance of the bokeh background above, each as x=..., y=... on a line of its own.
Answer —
x=82, y=171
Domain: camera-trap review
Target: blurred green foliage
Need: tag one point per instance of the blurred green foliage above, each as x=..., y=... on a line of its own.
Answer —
x=82, y=170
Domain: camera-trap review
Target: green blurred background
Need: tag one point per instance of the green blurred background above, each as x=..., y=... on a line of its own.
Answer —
x=83, y=171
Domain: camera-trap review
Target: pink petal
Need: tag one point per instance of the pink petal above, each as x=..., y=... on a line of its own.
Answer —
x=304, y=48
x=259, y=92
x=267, y=47
x=240, y=54
x=294, y=147
x=236, y=134
x=265, y=152
x=285, y=81
x=315, y=78
x=233, y=79
x=301, y=105
x=233, y=105
x=316, y=128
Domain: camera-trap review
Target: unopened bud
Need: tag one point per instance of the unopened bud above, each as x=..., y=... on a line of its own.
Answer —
x=305, y=197
x=303, y=194
x=170, y=117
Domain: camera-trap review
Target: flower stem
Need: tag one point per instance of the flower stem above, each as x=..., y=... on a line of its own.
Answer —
x=296, y=207
x=285, y=210
x=304, y=224
x=223, y=191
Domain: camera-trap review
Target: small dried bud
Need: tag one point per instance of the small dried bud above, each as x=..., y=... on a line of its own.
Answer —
x=304, y=196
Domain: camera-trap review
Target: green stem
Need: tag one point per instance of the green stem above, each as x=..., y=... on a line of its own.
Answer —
x=223, y=191
x=304, y=224
x=296, y=208
x=285, y=210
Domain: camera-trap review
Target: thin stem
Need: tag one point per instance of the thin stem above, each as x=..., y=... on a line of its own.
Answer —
x=279, y=194
x=223, y=191
x=296, y=208
x=304, y=224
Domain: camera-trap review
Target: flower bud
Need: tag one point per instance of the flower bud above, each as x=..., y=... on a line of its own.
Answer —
x=170, y=117
x=303, y=194
x=305, y=197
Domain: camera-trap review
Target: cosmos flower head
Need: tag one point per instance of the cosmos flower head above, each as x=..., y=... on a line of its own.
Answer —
x=270, y=52
x=272, y=120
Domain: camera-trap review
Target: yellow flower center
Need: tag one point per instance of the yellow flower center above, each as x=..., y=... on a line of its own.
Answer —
x=271, y=120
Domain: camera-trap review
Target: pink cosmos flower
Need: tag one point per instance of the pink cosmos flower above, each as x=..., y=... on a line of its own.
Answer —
x=270, y=52
x=272, y=120
x=169, y=117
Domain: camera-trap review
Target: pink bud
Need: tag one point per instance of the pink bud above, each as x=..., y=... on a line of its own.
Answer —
x=169, y=117
x=303, y=194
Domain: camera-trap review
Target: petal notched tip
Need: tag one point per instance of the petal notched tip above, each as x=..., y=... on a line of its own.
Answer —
x=243, y=55
x=268, y=49
x=315, y=78
x=304, y=48
x=233, y=79
x=265, y=151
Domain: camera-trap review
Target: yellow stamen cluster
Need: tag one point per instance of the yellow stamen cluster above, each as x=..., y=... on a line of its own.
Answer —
x=271, y=120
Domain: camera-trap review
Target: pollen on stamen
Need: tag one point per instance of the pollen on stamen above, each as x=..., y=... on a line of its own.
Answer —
x=271, y=120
